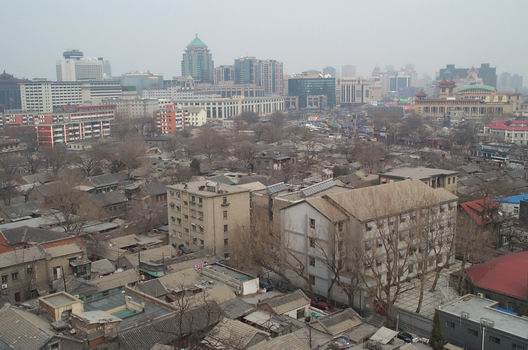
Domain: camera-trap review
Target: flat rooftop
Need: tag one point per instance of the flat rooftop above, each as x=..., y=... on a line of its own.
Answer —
x=418, y=173
x=60, y=299
x=478, y=308
x=207, y=188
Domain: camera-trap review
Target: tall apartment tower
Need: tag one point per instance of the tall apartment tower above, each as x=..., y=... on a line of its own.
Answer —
x=271, y=77
x=223, y=74
x=75, y=67
x=198, y=62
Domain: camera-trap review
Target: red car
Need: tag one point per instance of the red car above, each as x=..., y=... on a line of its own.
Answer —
x=321, y=304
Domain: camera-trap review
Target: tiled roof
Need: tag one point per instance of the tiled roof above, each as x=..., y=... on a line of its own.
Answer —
x=289, y=302
x=236, y=308
x=22, y=330
x=509, y=125
x=27, y=234
x=167, y=329
x=233, y=333
x=504, y=275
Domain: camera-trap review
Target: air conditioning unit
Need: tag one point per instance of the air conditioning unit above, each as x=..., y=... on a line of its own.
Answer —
x=464, y=315
x=4, y=286
x=480, y=295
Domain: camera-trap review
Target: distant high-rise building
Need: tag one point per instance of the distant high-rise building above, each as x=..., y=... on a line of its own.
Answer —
x=9, y=92
x=311, y=86
x=75, y=67
x=348, y=71
x=198, y=62
x=330, y=71
x=510, y=82
x=398, y=82
x=271, y=77
x=487, y=73
x=140, y=81
x=246, y=70
x=223, y=74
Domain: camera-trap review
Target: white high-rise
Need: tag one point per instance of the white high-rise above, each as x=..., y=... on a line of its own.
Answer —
x=75, y=67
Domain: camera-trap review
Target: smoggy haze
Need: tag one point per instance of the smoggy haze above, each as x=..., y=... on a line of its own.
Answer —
x=140, y=35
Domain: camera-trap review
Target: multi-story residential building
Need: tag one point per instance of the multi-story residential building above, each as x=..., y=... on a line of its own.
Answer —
x=357, y=225
x=134, y=107
x=473, y=322
x=312, y=84
x=230, y=90
x=485, y=72
x=198, y=62
x=508, y=131
x=9, y=92
x=358, y=91
x=271, y=77
x=170, y=118
x=139, y=81
x=169, y=93
x=44, y=96
x=229, y=108
x=75, y=67
x=74, y=124
x=224, y=73
x=33, y=259
x=206, y=214
x=436, y=178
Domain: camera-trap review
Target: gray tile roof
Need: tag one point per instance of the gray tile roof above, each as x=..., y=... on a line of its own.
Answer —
x=167, y=329
x=236, y=308
x=155, y=188
x=108, y=198
x=22, y=330
x=153, y=287
x=27, y=234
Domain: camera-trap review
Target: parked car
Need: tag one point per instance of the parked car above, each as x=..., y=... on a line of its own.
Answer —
x=341, y=342
x=406, y=337
x=320, y=304
x=266, y=284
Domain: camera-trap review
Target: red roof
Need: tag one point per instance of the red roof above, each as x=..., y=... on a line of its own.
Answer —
x=507, y=275
x=476, y=209
x=509, y=125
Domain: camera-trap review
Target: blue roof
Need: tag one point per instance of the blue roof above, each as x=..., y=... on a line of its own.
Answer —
x=514, y=199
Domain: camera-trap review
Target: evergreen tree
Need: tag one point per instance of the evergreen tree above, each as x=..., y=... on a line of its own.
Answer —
x=436, y=340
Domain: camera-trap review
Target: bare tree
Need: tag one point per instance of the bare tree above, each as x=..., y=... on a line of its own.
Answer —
x=57, y=158
x=69, y=206
x=7, y=180
x=130, y=153
x=211, y=144
x=246, y=152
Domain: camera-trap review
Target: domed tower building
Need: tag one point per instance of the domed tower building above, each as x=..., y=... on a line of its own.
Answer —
x=198, y=62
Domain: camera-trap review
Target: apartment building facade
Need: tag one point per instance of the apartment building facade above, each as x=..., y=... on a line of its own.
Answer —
x=44, y=96
x=171, y=118
x=207, y=215
x=358, y=225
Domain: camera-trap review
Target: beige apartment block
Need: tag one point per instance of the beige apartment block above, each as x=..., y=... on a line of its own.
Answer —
x=207, y=214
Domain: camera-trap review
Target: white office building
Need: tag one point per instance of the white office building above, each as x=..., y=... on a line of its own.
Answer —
x=75, y=67
x=358, y=91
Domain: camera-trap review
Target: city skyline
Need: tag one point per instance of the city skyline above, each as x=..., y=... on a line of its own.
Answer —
x=145, y=31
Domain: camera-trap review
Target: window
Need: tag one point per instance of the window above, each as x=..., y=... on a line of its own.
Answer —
x=517, y=347
x=194, y=240
x=450, y=324
x=473, y=332
x=193, y=199
x=226, y=242
x=29, y=271
x=312, y=223
x=312, y=261
x=368, y=227
x=449, y=181
x=14, y=276
x=411, y=268
x=225, y=228
x=312, y=280
x=179, y=221
x=4, y=279
x=340, y=227
x=312, y=242
x=173, y=219
x=202, y=242
x=225, y=214
x=224, y=200
x=494, y=339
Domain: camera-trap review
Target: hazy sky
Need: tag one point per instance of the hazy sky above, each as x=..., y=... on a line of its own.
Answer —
x=304, y=34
